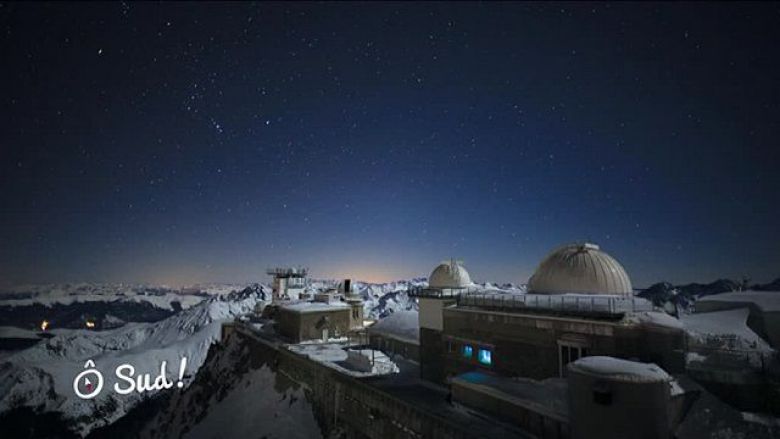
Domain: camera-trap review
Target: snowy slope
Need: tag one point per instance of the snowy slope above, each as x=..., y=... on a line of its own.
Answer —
x=237, y=394
x=724, y=330
x=403, y=325
x=66, y=294
x=41, y=377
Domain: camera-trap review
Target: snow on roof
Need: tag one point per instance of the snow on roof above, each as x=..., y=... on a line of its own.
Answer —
x=403, y=325
x=617, y=368
x=730, y=324
x=765, y=300
x=335, y=356
x=658, y=319
x=302, y=307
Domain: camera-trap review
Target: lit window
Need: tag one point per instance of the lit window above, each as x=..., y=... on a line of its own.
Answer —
x=485, y=357
x=468, y=351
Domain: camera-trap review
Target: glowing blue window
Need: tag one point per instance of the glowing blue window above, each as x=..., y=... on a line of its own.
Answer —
x=485, y=357
x=468, y=351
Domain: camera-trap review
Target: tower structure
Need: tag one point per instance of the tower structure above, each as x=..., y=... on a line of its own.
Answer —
x=288, y=283
x=445, y=283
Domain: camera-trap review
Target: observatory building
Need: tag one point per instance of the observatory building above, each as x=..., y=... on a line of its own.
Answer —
x=579, y=303
x=577, y=356
x=446, y=282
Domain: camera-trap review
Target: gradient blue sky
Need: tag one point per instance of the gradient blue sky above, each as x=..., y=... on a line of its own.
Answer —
x=181, y=143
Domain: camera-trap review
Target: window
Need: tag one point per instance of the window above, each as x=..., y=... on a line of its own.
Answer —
x=468, y=351
x=485, y=357
x=601, y=393
x=569, y=352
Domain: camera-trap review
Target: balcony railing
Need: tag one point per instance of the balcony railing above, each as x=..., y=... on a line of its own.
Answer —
x=438, y=293
x=565, y=303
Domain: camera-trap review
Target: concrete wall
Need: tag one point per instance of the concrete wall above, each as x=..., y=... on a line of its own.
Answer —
x=625, y=409
x=430, y=312
x=300, y=326
x=527, y=345
x=432, y=362
x=391, y=346
x=532, y=419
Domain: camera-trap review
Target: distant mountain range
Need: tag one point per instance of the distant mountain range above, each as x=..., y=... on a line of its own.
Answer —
x=664, y=293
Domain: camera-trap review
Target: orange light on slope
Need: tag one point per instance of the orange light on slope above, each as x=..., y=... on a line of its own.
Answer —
x=44, y=325
x=90, y=325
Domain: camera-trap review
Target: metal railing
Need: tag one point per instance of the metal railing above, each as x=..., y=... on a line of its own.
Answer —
x=570, y=303
x=420, y=291
x=287, y=271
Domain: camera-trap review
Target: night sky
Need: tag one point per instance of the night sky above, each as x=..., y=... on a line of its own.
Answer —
x=182, y=143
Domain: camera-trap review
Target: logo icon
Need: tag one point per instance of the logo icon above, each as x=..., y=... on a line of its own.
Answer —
x=83, y=386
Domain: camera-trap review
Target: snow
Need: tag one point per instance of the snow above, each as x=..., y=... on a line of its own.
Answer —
x=695, y=357
x=767, y=301
x=617, y=368
x=42, y=376
x=403, y=325
x=13, y=332
x=760, y=418
x=259, y=408
x=304, y=307
x=237, y=394
x=724, y=330
x=335, y=356
x=66, y=294
x=657, y=319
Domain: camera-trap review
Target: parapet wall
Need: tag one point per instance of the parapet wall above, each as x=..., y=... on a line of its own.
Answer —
x=349, y=406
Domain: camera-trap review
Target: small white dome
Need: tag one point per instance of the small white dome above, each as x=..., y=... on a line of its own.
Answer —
x=580, y=268
x=449, y=275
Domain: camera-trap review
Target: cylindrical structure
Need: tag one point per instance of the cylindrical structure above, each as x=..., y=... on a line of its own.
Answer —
x=610, y=398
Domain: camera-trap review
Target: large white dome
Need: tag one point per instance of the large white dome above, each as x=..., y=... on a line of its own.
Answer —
x=449, y=275
x=580, y=268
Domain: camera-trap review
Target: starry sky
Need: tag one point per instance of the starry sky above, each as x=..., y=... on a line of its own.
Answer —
x=180, y=143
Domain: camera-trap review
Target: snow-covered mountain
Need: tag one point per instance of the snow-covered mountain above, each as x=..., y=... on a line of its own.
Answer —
x=38, y=380
x=237, y=394
x=41, y=377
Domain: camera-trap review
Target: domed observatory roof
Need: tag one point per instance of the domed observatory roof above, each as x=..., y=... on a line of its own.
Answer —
x=582, y=269
x=449, y=275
